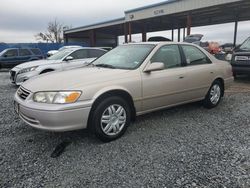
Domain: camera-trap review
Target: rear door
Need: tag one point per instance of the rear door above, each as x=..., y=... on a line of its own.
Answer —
x=200, y=71
x=24, y=55
x=165, y=87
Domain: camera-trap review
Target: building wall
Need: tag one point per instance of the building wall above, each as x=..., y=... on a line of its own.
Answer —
x=172, y=7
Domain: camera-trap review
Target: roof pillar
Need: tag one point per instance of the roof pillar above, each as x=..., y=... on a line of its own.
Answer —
x=179, y=34
x=172, y=34
x=189, y=23
x=92, y=38
x=125, y=33
x=184, y=33
x=144, y=33
x=130, y=31
x=66, y=39
x=235, y=31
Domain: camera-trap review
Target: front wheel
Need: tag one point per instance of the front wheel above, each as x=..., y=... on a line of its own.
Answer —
x=214, y=95
x=110, y=118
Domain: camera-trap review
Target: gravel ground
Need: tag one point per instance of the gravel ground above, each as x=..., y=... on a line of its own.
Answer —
x=186, y=146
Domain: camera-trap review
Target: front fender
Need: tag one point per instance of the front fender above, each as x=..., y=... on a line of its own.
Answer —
x=108, y=89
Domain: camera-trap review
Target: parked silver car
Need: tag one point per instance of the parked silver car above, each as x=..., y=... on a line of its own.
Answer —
x=63, y=60
x=52, y=52
x=127, y=81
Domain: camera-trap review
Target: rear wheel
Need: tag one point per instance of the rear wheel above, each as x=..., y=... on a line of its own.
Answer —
x=214, y=95
x=110, y=119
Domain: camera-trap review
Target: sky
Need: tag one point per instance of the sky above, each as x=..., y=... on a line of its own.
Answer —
x=20, y=20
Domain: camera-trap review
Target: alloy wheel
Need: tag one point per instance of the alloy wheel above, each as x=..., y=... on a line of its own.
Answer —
x=113, y=120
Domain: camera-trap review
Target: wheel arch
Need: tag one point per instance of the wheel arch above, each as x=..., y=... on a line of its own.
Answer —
x=221, y=80
x=124, y=94
x=46, y=70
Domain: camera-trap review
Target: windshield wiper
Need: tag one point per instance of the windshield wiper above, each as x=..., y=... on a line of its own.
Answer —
x=105, y=66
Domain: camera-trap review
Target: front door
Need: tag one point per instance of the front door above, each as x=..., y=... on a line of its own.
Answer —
x=10, y=58
x=165, y=87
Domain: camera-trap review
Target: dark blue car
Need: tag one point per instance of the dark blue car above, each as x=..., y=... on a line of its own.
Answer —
x=241, y=59
x=13, y=56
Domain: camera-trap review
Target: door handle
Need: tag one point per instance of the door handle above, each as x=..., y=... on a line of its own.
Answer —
x=211, y=72
x=181, y=77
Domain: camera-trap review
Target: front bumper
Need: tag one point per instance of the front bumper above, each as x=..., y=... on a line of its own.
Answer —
x=53, y=117
x=18, y=79
x=241, y=69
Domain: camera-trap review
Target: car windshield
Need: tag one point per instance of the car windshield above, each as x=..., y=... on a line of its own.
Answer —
x=125, y=56
x=61, y=54
x=245, y=45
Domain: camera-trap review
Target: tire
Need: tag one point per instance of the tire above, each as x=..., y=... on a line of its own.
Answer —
x=105, y=119
x=214, y=95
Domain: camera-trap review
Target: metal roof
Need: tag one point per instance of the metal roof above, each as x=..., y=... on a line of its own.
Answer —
x=96, y=25
x=150, y=6
x=172, y=14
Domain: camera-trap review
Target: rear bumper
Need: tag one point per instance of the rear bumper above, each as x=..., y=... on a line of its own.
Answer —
x=60, y=119
x=228, y=82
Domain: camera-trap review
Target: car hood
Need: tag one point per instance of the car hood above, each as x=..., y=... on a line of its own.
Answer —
x=35, y=63
x=73, y=79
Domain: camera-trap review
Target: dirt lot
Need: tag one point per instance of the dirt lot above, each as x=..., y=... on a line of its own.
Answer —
x=186, y=146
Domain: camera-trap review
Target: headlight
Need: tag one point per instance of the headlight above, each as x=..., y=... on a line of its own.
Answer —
x=58, y=97
x=27, y=70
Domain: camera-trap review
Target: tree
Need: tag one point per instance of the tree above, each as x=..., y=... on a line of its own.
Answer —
x=53, y=34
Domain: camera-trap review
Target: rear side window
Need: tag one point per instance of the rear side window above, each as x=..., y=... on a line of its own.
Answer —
x=194, y=56
x=169, y=55
x=96, y=53
x=11, y=53
x=79, y=54
x=36, y=51
x=24, y=52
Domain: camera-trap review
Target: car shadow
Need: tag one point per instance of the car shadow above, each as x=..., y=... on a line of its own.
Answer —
x=242, y=79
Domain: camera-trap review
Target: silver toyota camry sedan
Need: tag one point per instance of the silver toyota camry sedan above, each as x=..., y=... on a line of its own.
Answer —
x=131, y=80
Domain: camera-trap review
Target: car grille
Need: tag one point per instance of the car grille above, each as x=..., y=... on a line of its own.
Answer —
x=12, y=75
x=23, y=93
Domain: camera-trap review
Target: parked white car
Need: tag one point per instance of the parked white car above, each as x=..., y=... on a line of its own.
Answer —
x=52, y=52
x=63, y=60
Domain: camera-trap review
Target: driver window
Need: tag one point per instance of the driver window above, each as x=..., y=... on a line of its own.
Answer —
x=11, y=53
x=169, y=55
x=79, y=54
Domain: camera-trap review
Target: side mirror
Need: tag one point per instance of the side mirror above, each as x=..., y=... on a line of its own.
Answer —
x=156, y=66
x=5, y=55
x=69, y=58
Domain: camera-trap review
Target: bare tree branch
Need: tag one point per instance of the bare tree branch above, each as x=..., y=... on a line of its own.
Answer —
x=53, y=34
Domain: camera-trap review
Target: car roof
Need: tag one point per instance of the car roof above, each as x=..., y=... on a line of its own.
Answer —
x=87, y=48
x=20, y=48
x=160, y=43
